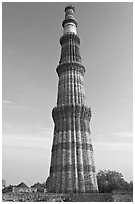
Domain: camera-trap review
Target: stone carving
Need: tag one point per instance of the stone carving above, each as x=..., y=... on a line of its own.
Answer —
x=70, y=66
x=71, y=111
x=72, y=168
x=65, y=38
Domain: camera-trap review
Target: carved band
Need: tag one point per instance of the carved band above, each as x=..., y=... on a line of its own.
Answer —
x=71, y=111
x=70, y=66
x=69, y=20
x=66, y=37
x=81, y=126
x=69, y=167
x=68, y=146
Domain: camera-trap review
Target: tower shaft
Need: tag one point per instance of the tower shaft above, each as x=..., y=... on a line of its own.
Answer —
x=72, y=165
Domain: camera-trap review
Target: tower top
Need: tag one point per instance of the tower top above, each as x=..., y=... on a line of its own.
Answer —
x=69, y=7
x=69, y=24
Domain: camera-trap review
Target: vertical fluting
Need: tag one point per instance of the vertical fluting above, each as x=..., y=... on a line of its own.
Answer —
x=69, y=157
x=74, y=157
x=63, y=184
x=72, y=163
x=80, y=158
x=57, y=181
x=72, y=88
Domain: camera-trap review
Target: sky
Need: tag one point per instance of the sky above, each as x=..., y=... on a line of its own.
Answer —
x=30, y=56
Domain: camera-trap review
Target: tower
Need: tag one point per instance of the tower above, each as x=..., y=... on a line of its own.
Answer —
x=72, y=166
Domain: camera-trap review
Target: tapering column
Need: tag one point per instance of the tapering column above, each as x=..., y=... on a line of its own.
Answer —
x=72, y=164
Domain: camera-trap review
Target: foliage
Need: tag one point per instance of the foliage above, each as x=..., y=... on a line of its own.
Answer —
x=7, y=189
x=40, y=186
x=131, y=186
x=111, y=180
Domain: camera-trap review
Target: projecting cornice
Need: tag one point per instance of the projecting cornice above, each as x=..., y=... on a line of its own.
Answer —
x=71, y=111
x=70, y=66
x=69, y=20
x=65, y=38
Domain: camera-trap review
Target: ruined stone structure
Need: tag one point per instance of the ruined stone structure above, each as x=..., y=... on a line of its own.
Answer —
x=72, y=166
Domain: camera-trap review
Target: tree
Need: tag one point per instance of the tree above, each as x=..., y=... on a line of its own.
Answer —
x=131, y=186
x=40, y=186
x=7, y=189
x=110, y=180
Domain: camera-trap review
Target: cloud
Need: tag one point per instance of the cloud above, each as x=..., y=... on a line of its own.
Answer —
x=31, y=101
x=12, y=105
x=12, y=127
x=18, y=107
x=43, y=130
x=125, y=99
x=108, y=146
x=7, y=125
x=6, y=102
x=32, y=130
x=26, y=141
x=123, y=134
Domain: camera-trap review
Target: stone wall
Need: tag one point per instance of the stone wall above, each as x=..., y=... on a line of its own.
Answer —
x=51, y=197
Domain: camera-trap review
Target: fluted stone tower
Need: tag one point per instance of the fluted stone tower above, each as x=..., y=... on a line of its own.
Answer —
x=72, y=166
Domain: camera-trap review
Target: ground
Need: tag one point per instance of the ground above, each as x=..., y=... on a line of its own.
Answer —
x=50, y=197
